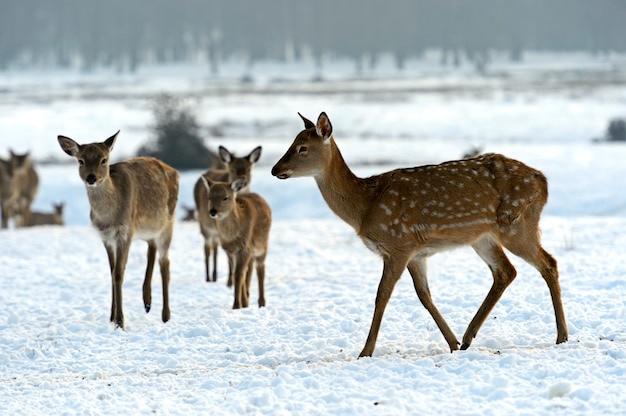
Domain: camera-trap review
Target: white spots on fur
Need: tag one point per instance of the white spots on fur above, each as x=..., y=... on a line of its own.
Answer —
x=454, y=195
x=465, y=224
x=386, y=209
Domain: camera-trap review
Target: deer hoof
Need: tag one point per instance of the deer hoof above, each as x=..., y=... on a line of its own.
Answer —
x=147, y=306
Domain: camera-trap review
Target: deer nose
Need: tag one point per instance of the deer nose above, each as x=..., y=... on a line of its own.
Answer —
x=213, y=213
x=90, y=179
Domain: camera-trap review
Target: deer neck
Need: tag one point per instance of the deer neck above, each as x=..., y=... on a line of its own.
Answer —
x=104, y=201
x=342, y=190
x=230, y=227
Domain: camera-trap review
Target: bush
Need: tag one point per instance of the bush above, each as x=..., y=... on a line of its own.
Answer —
x=616, y=131
x=176, y=139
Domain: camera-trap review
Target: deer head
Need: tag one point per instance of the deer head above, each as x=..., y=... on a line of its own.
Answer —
x=93, y=158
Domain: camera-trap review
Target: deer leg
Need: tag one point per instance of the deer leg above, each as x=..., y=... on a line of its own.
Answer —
x=248, y=281
x=535, y=255
x=503, y=275
x=207, y=256
x=238, y=277
x=260, y=274
x=147, y=281
x=231, y=269
x=214, y=254
x=164, y=266
x=549, y=271
x=392, y=270
x=111, y=257
x=121, y=257
x=417, y=269
x=5, y=216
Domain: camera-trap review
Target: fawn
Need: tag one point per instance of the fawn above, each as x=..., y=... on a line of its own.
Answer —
x=135, y=198
x=243, y=222
x=234, y=167
x=407, y=215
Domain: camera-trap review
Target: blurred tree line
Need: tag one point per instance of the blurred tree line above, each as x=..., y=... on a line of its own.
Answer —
x=128, y=33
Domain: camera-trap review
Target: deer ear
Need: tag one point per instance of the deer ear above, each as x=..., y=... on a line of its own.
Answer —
x=68, y=145
x=307, y=123
x=225, y=155
x=110, y=142
x=238, y=184
x=207, y=182
x=254, y=155
x=323, y=127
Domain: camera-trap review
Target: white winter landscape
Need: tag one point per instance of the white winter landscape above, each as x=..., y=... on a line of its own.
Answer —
x=59, y=354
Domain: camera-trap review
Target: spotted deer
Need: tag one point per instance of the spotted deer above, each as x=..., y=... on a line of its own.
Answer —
x=234, y=167
x=135, y=198
x=34, y=218
x=406, y=215
x=243, y=221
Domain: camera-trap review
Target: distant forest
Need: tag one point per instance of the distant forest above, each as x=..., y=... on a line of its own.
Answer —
x=126, y=34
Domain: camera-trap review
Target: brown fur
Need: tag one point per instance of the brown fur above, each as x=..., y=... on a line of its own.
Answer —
x=33, y=218
x=243, y=222
x=406, y=215
x=235, y=167
x=132, y=199
x=190, y=214
x=7, y=191
x=25, y=183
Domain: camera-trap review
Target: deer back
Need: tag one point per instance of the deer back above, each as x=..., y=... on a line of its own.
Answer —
x=147, y=193
x=453, y=203
x=33, y=218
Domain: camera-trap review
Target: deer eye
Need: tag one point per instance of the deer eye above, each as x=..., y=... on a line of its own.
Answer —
x=81, y=162
x=103, y=162
x=303, y=150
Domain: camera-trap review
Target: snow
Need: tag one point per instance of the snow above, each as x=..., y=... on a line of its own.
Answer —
x=298, y=355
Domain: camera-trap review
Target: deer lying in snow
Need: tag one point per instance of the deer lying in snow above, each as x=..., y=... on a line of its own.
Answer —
x=406, y=215
x=135, y=198
x=235, y=167
x=33, y=218
x=243, y=223
x=190, y=214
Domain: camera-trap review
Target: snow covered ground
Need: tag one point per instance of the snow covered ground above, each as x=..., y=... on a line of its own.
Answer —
x=60, y=355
